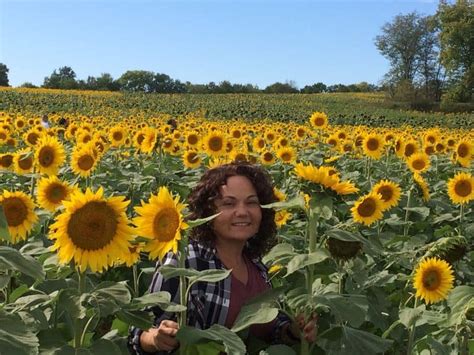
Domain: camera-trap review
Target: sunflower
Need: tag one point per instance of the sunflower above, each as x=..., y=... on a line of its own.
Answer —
x=149, y=141
x=92, y=230
x=52, y=192
x=161, y=221
x=286, y=154
x=19, y=212
x=6, y=161
x=390, y=193
x=215, y=143
x=419, y=162
x=344, y=188
x=49, y=155
x=83, y=160
x=464, y=152
x=282, y=217
x=409, y=148
x=258, y=144
x=32, y=136
x=368, y=209
x=23, y=161
x=422, y=185
x=433, y=280
x=133, y=256
x=319, y=120
x=191, y=159
x=373, y=146
x=461, y=188
x=117, y=136
x=192, y=139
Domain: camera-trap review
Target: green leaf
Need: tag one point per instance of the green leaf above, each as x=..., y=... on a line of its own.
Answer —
x=302, y=260
x=200, y=221
x=12, y=259
x=254, y=313
x=15, y=337
x=295, y=202
x=104, y=346
x=350, y=308
x=4, y=280
x=460, y=301
x=115, y=290
x=322, y=205
x=210, y=276
x=232, y=343
x=422, y=211
x=4, y=233
x=161, y=299
x=278, y=252
x=139, y=319
x=410, y=315
x=170, y=271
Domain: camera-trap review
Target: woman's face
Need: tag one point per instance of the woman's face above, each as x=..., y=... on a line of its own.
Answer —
x=240, y=211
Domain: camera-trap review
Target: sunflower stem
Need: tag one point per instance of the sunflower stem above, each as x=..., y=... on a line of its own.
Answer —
x=135, y=279
x=78, y=322
x=411, y=335
x=32, y=184
x=407, y=212
x=182, y=316
x=461, y=220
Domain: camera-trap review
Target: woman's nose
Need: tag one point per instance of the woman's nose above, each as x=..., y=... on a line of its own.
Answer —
x=241, y=210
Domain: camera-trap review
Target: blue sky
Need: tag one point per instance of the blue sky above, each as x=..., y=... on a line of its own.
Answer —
x=258, y=42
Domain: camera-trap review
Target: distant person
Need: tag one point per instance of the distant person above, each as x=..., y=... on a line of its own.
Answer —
x=45, y=121
x=63, y=122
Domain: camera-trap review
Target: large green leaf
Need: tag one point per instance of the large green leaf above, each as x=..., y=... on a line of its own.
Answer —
x=279, y=349
x=210, y=276
x=322, y=205
x=232, y=343
x=302, y=260
x=139, y=319
x=197, y=222
x=12, y=259
x=350, y=308
x=343, y=340
x=460, y=301
x=161, y=299
x=408, y=316
x=104, y=346
x=254, y=313
x=15, y=336
x=279, y=252
x=296, y=202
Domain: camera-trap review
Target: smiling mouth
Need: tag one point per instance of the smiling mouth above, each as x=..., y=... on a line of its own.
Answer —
x=241, y=224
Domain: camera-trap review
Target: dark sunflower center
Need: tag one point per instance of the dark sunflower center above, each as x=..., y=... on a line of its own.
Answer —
x=372, y=144
x=386, y=192
x=439, y=147
x=286, y=156
x=6, y=160
x=15, y=211
x=117, y=136
x=268, y=156
x=429, y=150
x=165, y=224
x=167, y=143
x=347, y=147
x=20, y=124
x=140, y=138
x=300, y=132
x=86, y=138
x=367, y=207
x=240, y=157
x=25, y=163
x=92, y=226
x=270, y=136
x=215, y=144
x=431, y=280
x=192, y=139
x=85, y=162
x=56, y=193
x=3, y=135
x=419, y=164
x=319, y=121
x=192, y=157
x=261, y=144
x=463, y=150
x=463, y=188
x=431, y=139
x=32, y=138
x=332, y=142
x=409, y=150
x=46, y=156
x=236, y=134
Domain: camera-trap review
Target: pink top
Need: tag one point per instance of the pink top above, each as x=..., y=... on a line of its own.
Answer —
x=241, y=293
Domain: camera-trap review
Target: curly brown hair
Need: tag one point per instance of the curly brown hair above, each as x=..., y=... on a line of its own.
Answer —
x=202, y=204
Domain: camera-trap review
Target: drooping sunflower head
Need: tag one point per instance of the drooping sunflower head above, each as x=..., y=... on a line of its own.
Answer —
x=368, y=209
x=160, y=220
x=433, y=280
x=422, y=185
x=49, y=155
x=419, y=162
x=19, y=212
x=93, y=230
x=319, y=120
x=282, y=217
x=461, y=188
x=343, y=249
x=390, y=193
x=52, y=192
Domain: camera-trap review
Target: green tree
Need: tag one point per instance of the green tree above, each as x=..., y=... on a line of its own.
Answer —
x=314, y=89
x=64, y=78
x=281, y=88
x=456, y=23
x=3, y=75
x=137, y=80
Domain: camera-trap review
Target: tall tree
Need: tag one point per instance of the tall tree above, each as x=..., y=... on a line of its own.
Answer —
x=137, y=80
x=64, y=78
x=456, y=22
x=3, y=75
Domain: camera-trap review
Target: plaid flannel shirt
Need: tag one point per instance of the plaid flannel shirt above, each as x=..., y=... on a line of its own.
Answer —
x=208, y=302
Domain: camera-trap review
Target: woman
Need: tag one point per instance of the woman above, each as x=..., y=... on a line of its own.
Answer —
x=236, y=239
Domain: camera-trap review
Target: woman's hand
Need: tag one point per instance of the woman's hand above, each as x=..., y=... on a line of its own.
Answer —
x=310, y=328
x=161, y=338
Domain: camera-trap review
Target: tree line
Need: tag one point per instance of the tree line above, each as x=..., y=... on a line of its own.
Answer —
x=431, y=57
x=151, y=82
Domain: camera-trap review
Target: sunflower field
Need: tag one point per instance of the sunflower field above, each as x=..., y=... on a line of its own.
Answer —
x=376, y=221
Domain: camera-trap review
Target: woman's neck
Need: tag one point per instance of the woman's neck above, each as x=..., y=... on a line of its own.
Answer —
x=231, y=254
